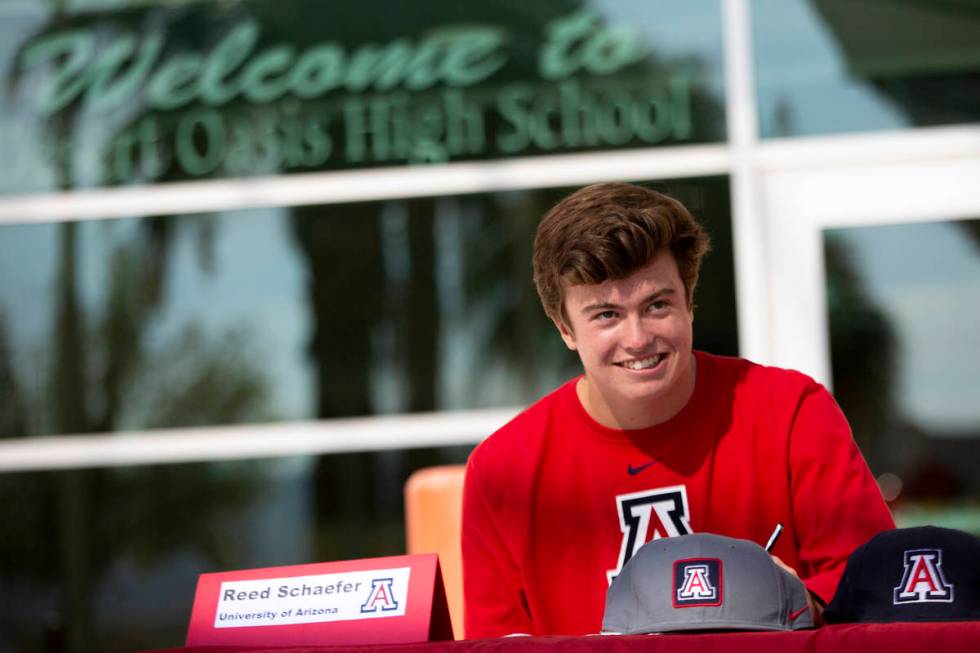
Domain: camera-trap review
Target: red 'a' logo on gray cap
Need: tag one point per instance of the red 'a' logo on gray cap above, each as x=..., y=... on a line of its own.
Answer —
x=923, y=580
x=697, y=582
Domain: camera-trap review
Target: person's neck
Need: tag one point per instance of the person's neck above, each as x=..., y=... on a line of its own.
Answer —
x=633, y=415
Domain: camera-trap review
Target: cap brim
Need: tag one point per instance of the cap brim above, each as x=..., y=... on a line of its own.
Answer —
x=690, y=627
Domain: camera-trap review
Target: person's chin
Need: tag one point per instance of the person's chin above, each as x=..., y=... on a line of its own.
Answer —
x=646, y=387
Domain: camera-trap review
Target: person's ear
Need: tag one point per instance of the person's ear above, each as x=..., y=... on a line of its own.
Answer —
x=566, y=334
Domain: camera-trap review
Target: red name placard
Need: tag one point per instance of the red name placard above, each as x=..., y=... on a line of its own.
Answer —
x=397, y=599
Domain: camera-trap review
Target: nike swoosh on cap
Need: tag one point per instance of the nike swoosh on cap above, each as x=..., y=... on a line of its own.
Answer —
x=794, y=615
x=633, y=471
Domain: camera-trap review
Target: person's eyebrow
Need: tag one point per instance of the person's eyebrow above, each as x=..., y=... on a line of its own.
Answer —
x=663, y=292
x=605, y=306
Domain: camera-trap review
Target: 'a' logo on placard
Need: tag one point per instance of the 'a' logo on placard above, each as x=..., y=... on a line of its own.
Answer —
x=381, y=597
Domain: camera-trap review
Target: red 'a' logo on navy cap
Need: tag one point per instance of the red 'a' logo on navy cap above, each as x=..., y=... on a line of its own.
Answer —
x=697, y=582
x=923, y=580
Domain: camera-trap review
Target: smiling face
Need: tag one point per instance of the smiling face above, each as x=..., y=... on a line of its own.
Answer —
x=634, y=337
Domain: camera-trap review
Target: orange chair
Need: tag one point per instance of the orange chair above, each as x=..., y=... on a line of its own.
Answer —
x=433, y=512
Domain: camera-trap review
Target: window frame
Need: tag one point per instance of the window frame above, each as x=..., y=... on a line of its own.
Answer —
x=779, y=209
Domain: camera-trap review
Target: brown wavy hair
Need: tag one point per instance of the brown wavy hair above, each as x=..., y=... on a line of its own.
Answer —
x=607, y=231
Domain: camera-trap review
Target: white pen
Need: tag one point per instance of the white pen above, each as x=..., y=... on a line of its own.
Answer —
x=775, y=536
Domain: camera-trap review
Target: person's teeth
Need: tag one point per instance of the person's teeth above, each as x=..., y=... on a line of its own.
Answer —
x=642, y=363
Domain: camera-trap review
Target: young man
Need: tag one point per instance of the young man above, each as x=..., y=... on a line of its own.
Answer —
x=653, y=440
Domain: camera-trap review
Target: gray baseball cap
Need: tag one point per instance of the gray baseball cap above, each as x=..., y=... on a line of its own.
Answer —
x=704, y=582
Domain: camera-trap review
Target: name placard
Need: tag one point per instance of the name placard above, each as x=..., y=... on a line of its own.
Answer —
x=397, y=599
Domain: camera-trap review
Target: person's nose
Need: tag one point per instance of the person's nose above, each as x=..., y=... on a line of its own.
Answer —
x=637, y=336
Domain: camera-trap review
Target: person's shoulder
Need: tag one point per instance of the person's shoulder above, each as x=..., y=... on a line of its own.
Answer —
x=765, y=399
x=524, y=430
x=747, y=376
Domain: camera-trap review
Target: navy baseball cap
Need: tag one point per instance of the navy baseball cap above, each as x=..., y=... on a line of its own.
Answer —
x=704, y=582
x=925, y=573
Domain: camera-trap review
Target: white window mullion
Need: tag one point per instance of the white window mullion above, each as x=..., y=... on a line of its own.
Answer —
x=201, y=444
x=369, y=185
x=749, y=232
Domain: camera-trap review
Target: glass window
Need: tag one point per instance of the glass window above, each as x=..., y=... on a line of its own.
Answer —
x=903, y=303
x=260, y=315
x=107, y=93
x=266, y=314
x=107, y=560
x=297, y=312
x=829, y=66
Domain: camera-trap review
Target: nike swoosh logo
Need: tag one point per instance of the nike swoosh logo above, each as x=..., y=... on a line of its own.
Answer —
x=633, y=471
x=794, y=615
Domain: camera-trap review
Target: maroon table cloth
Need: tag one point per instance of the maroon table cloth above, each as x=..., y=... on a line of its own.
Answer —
x=841, y=638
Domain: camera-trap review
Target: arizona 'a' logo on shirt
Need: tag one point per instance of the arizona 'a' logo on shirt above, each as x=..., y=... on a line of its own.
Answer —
x=923, y=580
x=697, y=582
x=649, y=515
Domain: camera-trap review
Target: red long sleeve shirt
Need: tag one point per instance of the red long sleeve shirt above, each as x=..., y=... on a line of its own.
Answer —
x=555, y=503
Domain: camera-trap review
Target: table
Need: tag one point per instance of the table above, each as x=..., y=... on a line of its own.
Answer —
x=840, y=638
